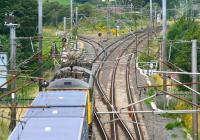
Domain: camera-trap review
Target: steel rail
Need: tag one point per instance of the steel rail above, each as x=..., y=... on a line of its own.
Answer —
x=93, y=46
x=112, y=97
x=98, y=85
x=101, y=91
x=126, y=37
x=100, y=125
x=136, y=127
x=97, y=81
x=82, y=37
x=112, y=92
x=134, y=116
x=97, y=117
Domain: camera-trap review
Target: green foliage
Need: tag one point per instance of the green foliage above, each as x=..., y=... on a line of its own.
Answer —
x=5, y=43
x=63, y=2
x=84, y=1
x=4, y=131
x=172, y=125
x=141, y=3
x=150, y=92
x=54, y=13
x=66, y=2
x=166, y=115
x=136, y=3
x=4, y=7
x=184, y=29
x=25, y=12
x=174, y=135
x=147, y=7
x=27, y=92
x=169, y=126
x=178, y=124
x=85, y=9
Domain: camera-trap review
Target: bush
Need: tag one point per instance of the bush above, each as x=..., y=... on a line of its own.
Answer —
x=85, y=9
x=150, y=92
x=54, y=11
x=169, y=126
x=184, y=29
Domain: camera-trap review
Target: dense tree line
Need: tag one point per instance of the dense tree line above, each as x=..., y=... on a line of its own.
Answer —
x=141, y=3
x=54, y=12
x=84, y=1
x=184, y=29
x=25, y=12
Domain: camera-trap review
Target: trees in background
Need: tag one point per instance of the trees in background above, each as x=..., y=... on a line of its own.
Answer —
x=184, y=29
x=25, y=12
x=54, y=12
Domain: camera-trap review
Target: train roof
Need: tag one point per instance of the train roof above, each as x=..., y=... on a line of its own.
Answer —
x=55, y=112
x=49, y=129
x=63, y=119
x=61, y=98
x=61, y=103
x=69, y=83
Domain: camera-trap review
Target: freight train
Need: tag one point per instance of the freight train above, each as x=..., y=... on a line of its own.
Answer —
x=63, y=111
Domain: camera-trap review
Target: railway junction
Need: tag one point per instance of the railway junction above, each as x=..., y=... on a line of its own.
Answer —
x=114, y=76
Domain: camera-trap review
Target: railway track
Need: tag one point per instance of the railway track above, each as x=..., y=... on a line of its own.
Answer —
x=116, y=119
x=111, y=102
x=102, y=92
x=95, y=45
x=134, y=117
x=113, y=94
x=117, y=123
x=115, y=132
x=99, y=124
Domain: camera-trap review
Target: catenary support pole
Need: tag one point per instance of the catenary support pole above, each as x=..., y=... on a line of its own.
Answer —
x=194, y=86
x=64, y=20
x=108, y=19
x=155, y=16
x=131, y=15
x=164, y=45
x=12, y=68
x=151, y=12
x=40, y=36
x=76, y=16
x=71, y=13
x=77, y=28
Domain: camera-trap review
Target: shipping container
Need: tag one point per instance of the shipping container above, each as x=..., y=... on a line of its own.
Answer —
x=64, y=119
